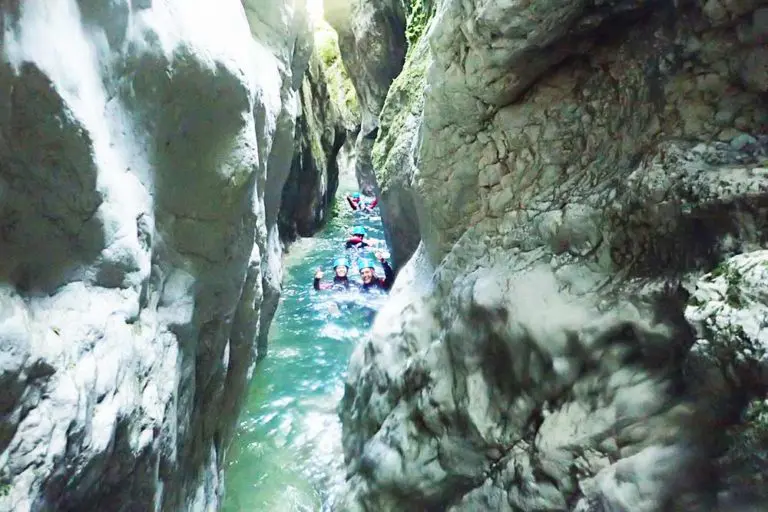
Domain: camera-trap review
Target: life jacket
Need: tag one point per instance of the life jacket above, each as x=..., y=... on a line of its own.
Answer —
x=356, y=241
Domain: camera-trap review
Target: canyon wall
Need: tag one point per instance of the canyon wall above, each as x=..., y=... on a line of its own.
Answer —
x=320, y=134
x=373, y=46
x=590, y=185
x=144, y=146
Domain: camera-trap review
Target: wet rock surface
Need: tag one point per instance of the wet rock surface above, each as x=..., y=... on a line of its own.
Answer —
x=395, y=155
x=141, y=152
x=522, y=396
x=577, y=168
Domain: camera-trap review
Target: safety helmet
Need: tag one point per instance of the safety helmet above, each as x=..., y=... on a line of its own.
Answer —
x=356, y=195
x=340, y=261
x=358, y=230
x=365, y=263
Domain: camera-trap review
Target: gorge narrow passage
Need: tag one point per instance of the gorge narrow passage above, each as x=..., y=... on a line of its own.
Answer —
x=287, y=452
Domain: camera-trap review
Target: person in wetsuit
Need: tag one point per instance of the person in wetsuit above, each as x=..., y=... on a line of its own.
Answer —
x=357, y=203
x=354, y=201
x=368, y=274
x=340, y=278
x=356, y=240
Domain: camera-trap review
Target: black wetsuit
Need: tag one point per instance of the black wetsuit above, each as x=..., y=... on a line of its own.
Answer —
x=338, y=282
x=379, y=283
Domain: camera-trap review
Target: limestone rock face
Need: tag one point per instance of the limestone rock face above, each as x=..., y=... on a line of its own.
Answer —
x=373, y=46
x=395, y=155
x=143, y=149
x=314, y=176
x=509, y=393
x=283, y=29
x=730, y=306
x=536, y=105
x=578, y=166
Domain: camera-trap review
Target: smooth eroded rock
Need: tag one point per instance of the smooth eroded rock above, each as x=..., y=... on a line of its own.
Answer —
x=143, y=151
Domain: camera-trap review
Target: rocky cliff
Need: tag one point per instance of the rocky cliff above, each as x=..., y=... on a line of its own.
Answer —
x=395, y=154
x=143, y=151
x=574, y=169
x=314, y=177
x=373, y=44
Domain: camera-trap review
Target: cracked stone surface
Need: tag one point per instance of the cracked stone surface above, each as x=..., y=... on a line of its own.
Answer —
x=576, y=165
x=513, y=394
x=143, y=150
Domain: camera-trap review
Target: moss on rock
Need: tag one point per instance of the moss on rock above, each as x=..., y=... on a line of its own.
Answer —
x=340, y=86
x=394, y=154
x=405, y=100
x=419, y=14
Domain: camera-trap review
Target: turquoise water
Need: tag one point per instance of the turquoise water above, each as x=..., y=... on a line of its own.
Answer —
x=286, y=455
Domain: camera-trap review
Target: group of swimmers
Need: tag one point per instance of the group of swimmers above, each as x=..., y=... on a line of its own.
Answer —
x=341, y=265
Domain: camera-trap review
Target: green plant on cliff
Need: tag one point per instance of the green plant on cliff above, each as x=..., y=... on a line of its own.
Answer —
x=419, y=13
x=733, y=279
x=339, y=84
x=405, y=99
x=327, y=44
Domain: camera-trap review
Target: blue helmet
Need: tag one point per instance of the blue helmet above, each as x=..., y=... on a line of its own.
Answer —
x=365, y=263
x=358, y=230
x=340, y=261
x=356, y=195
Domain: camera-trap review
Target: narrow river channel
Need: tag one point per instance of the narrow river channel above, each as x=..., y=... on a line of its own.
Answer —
x=287, y=453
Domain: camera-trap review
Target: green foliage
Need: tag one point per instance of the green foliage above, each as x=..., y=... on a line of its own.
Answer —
x=732, y=294
x=734, y=280
x=336, y=208
x=341, y=88
x=405, y=100
x=720, y=270
x=734, y=353
x=350, y=95
x=5, y=489
x=419, y=14
x=757, y=412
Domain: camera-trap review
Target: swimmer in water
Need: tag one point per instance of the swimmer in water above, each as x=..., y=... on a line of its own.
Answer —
x=356, y=240
x=340, y=278
x=370, y=279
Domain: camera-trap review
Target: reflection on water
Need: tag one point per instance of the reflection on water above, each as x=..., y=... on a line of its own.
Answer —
x=287, y=453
